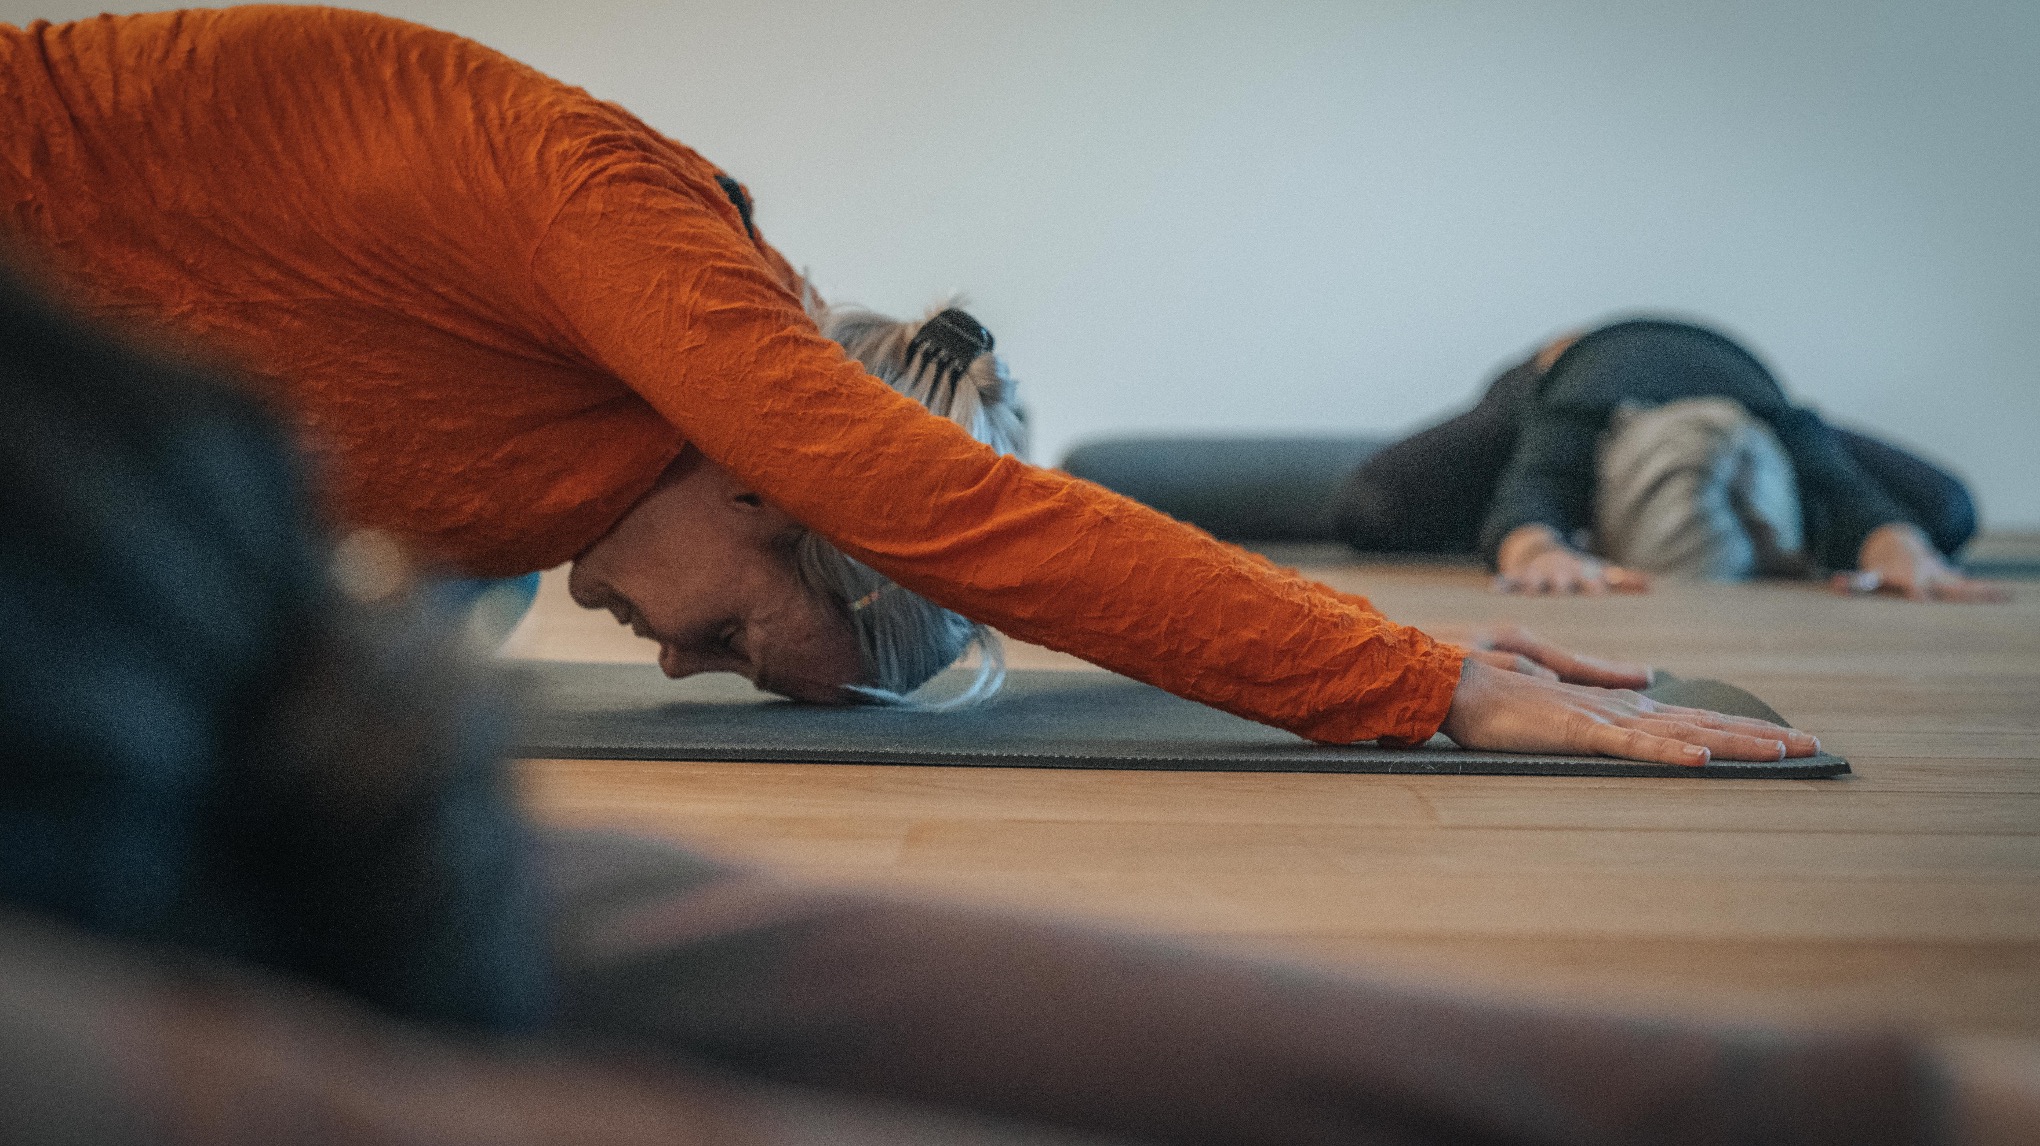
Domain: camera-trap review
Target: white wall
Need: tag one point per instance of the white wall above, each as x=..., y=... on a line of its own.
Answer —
x=1311, y=216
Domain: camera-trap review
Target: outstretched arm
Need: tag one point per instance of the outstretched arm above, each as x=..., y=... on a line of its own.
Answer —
x=1058, y=1025
x=1869, y=536
x=1544, y=495
x=1896, y=557
x=658, y=290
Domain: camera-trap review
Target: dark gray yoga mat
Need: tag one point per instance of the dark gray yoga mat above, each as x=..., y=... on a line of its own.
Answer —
x=1040, y=720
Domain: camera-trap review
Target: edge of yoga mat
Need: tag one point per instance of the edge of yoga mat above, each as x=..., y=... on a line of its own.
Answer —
x=593, y=711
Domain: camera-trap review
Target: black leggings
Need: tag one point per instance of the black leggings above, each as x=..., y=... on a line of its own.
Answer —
x=1431, y=492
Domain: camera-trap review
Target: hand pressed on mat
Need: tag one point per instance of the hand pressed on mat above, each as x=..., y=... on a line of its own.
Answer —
x=1518, y=712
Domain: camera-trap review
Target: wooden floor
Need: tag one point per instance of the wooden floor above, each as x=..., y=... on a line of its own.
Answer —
x=1909, y=892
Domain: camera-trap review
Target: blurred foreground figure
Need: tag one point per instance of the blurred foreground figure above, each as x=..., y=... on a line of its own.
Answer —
x=263, y=882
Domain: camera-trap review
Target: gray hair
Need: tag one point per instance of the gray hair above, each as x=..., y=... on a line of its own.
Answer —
x=904, y=638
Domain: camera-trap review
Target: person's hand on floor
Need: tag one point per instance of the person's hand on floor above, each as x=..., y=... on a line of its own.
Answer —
x=1534, y=559
x=1519, y=712
x=1898, y=558
x=1517, y=649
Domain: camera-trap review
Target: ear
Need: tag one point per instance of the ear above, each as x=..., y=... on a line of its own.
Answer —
x=755, y=516
x=737, y=504
x=752, y=515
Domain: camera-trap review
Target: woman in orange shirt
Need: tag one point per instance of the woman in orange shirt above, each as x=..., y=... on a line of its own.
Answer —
x=518, y=327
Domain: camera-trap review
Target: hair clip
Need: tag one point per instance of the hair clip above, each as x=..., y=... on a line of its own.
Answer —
x=950, y=342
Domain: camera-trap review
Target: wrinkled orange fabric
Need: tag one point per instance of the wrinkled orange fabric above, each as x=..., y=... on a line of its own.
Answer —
x=497, y=307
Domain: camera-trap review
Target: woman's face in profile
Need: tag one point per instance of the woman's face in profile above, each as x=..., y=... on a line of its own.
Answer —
x=703, y=567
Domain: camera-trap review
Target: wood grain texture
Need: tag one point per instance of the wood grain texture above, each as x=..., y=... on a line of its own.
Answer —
x=1908, y=893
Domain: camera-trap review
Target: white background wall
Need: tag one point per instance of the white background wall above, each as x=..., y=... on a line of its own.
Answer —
x=1341, y=216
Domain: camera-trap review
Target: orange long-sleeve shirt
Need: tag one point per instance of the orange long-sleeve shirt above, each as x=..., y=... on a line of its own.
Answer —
x=498, y=307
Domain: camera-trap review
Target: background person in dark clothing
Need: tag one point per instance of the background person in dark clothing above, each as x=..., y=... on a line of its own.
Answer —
x=1528, y=478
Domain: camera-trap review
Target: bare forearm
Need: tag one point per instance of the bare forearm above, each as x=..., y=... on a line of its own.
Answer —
x=1103, y=1034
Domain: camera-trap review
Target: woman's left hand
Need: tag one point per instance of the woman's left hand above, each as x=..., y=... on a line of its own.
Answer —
x=1898, y=558
x=1512, y=712
x=1516, y=649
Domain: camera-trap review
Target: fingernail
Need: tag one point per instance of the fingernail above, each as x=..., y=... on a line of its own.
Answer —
x=1696, y=754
